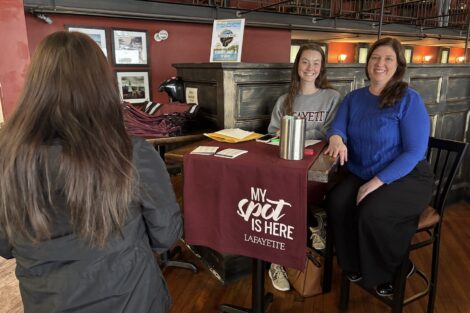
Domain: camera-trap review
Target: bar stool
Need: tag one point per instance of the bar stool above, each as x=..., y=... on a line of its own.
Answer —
x=445, y=157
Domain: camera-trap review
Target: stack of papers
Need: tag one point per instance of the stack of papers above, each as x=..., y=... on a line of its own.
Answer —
x=230, y=153
x=233, y=135
x=205, y=150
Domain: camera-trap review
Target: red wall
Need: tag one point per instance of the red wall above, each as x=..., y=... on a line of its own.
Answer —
x=420, y=51
x=14, y=52
x=186, y=43
x=337, y=48
x=454, y=53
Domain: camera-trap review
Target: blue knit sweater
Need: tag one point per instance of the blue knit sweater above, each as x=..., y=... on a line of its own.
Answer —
x=387, y=143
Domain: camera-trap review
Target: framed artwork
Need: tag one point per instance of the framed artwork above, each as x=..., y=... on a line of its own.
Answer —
x=361, y=53
x=227, y=40
x=134, y=87
x=96, y=33
x=408, y=54
x=130, y=47
x=444, y=55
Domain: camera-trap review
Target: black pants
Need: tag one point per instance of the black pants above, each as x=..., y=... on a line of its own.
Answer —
x=373, y=237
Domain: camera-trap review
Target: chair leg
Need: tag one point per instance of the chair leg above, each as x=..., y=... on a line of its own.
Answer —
x=434, y=271
x=400, y=286
x=344, y=298
x=166, y=260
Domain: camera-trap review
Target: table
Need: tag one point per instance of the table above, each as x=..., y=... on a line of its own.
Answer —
x=320, y=170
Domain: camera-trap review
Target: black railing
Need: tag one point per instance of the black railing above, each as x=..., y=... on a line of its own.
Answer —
x=424, y=13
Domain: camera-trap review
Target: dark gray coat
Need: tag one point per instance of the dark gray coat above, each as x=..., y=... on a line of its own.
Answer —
x=65, y=275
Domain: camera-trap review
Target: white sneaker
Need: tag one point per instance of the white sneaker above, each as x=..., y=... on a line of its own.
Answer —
x=318, y=241
x=319, y=233
x=279, y=277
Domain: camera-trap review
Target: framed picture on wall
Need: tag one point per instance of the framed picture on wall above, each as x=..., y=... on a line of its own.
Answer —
x=444, y=55
x=96, y=33
x=130, y=47
x=134, y=87
x=361, y=53
x=408, y=54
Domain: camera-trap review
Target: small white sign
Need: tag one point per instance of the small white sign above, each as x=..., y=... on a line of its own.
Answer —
x=191, y=95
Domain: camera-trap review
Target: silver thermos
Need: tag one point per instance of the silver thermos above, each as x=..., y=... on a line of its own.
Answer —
x=292, y=141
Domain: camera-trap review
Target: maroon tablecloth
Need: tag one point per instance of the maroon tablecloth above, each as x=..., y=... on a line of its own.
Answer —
x=253, y=205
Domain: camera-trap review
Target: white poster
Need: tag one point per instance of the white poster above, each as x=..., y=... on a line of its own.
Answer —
x=227, y=40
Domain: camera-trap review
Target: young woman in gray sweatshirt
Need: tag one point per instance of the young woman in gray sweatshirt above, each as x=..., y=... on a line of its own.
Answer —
x=310, y=96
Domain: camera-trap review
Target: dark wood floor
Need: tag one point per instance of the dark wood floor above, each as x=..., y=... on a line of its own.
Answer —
x=202, y=293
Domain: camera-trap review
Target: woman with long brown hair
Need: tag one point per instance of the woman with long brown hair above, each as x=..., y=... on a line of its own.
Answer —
x=311, y=97
x=382, y=132
x=82, y=204
x=310, y=94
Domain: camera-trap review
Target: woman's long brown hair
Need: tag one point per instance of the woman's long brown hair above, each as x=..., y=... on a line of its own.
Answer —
x=395, y=88
x=294, y=86
x=70, y=97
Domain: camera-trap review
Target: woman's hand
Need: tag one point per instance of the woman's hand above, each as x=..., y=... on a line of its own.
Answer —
x=337, y=147
x=367, y=188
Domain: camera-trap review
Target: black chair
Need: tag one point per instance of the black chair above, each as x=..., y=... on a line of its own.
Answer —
x=167, y=259
x=445, y=157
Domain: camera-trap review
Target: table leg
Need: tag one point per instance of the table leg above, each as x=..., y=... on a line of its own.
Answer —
x=259, y=300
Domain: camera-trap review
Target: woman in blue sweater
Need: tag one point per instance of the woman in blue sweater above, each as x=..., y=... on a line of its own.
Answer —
x=382, y=132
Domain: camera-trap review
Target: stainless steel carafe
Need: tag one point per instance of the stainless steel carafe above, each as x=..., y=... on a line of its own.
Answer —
x=292, y=138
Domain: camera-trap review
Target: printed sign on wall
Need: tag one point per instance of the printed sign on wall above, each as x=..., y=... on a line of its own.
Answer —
x=227, y=40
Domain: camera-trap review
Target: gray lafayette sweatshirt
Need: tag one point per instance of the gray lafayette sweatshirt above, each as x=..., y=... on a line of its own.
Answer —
x=318, y=109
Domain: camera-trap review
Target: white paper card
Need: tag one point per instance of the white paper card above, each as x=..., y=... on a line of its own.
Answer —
x=206, y=150
x=191, y=95
x=230, y=153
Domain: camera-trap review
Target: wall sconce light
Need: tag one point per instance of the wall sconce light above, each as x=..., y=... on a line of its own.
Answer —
x=427, y=58
x=44, y=18
x=342, y=57
x=161, y=35
x=460, y=59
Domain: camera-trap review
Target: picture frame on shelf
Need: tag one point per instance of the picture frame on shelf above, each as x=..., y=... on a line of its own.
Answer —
x=130, y=47
x=98, y=34
x=134, y=86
